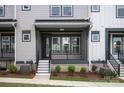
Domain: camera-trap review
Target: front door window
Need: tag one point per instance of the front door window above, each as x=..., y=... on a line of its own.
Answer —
x=117, y=44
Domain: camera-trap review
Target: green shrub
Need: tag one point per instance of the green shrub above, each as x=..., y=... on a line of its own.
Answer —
x=105, y=72
x=113, y=73
x=71, y=68
x=83, y=70
x=101, y=72
x=94, y=67
x=12, y=68
x=58, y=68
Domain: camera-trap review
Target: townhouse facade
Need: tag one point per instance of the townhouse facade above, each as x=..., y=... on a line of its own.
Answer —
x=48, y=35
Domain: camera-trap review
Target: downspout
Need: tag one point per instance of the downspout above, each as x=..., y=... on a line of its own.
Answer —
x=15, y=31
x=88, y=49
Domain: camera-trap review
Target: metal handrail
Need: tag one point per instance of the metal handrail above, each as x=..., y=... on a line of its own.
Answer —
x=114, y=63
x=37, y=59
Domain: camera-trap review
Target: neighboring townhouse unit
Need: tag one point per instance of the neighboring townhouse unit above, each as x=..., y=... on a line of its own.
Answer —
x=7, y=33
x=47, y=35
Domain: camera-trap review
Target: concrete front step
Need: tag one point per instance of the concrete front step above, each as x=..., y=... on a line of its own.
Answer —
x=42, y=74
x=43, y=69
x=45, y=66
x=43, y=61
x=121, y=75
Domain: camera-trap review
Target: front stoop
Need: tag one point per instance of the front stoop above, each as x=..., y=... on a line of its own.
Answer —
x=43, y=67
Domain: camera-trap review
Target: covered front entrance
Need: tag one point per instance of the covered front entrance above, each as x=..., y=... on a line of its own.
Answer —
x=61, y=42
x=62, y=39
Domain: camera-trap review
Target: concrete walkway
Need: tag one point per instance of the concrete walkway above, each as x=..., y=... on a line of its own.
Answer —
x=45, y=80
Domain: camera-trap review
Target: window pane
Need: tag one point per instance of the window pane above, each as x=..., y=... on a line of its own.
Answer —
x=1, y=11
x=67, y=10
x=55, y=10
x=5, y=43
x=56, y=45
x=26, y=7
x=95, y=36
x=120, y=11
x=75, y=41
x=117, y=42
x=65, y=44
x=95, y=8
x=26, y=37
x=75, y=44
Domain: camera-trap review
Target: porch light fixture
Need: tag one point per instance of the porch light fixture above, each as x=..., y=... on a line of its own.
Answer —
x=61, y=29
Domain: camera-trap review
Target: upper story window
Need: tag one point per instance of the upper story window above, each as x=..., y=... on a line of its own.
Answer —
x=26, y=7
x=120, y=11
x=55, y=10
x=2, y=10
x=95, y=8
x=67, y=10
x=61, y=10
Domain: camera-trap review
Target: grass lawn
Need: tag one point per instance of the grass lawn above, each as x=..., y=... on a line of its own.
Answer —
x=71, y=78
x=24, y=85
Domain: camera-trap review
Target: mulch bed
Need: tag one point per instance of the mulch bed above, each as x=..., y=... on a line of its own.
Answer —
x=17, y=75
x=88, y=75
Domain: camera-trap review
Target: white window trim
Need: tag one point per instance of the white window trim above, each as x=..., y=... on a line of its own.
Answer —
x=28, y=39
x=2, y=6
x=98, y=8
x=26, y=9
x=55, y=6
x=117, y=11
x=67, y=6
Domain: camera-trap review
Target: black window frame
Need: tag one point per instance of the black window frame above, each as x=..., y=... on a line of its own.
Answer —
x=95, y=10
x=26, y=32
x=61, y=11
x=117, y=6
x=95, y=32
x=25, y=9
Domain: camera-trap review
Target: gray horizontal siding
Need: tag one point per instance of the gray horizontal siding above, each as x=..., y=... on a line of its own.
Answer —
x=9, y=12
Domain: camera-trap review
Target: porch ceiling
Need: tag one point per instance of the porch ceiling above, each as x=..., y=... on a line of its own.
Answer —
x=62, y=23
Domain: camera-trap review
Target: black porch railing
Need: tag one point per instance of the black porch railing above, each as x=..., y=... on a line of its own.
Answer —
x=121, y=56
x=7, y=54
x=113, y=62
x=61, y=53
x=65, y=54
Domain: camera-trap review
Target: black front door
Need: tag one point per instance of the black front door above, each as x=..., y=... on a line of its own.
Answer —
x=46, y=46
